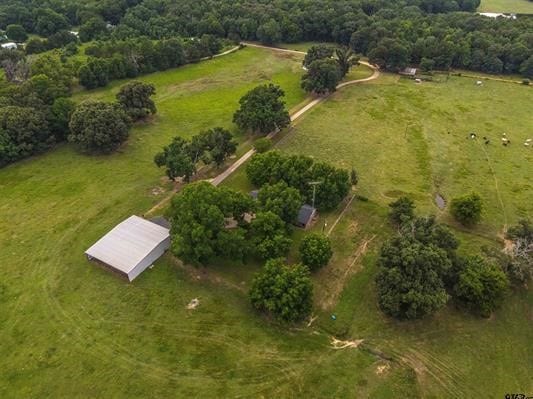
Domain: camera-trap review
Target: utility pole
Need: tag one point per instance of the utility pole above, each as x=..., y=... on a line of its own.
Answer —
x=314, y=184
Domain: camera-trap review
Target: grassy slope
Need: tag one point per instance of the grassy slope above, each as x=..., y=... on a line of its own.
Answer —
x=412, y=139
x=396, y=135
x=70, y=329
x=508, y=6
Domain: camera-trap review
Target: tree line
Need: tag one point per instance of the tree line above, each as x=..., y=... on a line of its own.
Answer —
x=393, y=34
x=36, y=112
x=131, y=58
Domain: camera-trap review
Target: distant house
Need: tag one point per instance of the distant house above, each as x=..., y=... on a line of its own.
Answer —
x=73, y=32
x=9, y=46
x=305, y=217
x=131, y=246
x=408, y=72
x=254, y=194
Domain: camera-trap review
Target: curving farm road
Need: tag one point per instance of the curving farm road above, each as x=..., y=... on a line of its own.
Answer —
x=225, y=174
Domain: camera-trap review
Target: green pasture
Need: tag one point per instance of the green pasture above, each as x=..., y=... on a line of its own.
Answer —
x=507, y=6
x=71, y=329
x=412, y=139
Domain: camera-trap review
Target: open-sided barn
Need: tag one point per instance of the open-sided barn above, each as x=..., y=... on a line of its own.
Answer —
x=131, y=246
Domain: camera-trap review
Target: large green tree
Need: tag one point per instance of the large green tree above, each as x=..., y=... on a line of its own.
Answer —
x=346, y=59
x=135, y=97
x=322, y=77
x=410, y=280
x=59, y=117
x=213, y=146
x=262, y=110
x=95, y=73
x=176, y=158
x=199, y=216
x=269, y=32
x=16, y=33
x=268, y=236
x=318, y=52
x=280, y=199
x=390, y=54
x=315, y=251
x=23, y=131
x=285, y=292
x=98, y=127
x=298, y=171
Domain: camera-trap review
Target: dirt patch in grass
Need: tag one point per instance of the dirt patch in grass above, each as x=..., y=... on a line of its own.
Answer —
x=338, y=275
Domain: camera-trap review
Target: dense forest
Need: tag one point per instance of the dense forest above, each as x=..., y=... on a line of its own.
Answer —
x=127, y=38
x=393, y=33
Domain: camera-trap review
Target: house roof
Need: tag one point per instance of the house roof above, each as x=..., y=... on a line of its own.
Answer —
x=305, y=214
x=128, y=243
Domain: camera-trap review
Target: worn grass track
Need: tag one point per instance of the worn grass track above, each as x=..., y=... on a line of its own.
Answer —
x=70, y=329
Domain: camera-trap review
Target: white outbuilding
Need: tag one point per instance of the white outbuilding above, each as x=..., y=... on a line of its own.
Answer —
x=131, y=247
x=9, y=46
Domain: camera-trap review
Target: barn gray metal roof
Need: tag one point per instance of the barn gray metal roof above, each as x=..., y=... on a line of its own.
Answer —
x=128, y=243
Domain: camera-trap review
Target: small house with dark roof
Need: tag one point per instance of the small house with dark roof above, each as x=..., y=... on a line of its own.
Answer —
x=306, y=215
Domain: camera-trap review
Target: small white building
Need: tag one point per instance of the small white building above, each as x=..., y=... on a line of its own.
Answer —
x=497, y=15
x=9, y=46
x=131, y=247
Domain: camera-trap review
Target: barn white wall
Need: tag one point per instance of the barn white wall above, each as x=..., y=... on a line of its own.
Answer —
x=149, y=260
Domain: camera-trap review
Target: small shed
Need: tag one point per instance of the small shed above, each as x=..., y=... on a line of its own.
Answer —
x=408, y=72
x=9, y=46
x=305, y=217
x=131, y=246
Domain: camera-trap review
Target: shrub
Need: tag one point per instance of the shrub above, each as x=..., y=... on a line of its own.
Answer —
x=481, y=285
x=467, y=209
x=315, y=251
x=262, y=145
x=285, y=292
x=135, y=99
x=402, y=210
x=525, y=82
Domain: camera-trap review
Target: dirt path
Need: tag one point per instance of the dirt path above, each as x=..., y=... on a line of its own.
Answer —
x=297, y=114
x=496, y=186
x=224, y=175
x=340, y=215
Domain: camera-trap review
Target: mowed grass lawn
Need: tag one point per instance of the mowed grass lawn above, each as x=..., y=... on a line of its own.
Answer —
x=409, y=139
x=507, y=6
x=71, y=329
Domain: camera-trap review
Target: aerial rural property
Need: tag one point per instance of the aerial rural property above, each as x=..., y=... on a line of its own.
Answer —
x=266, y=199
